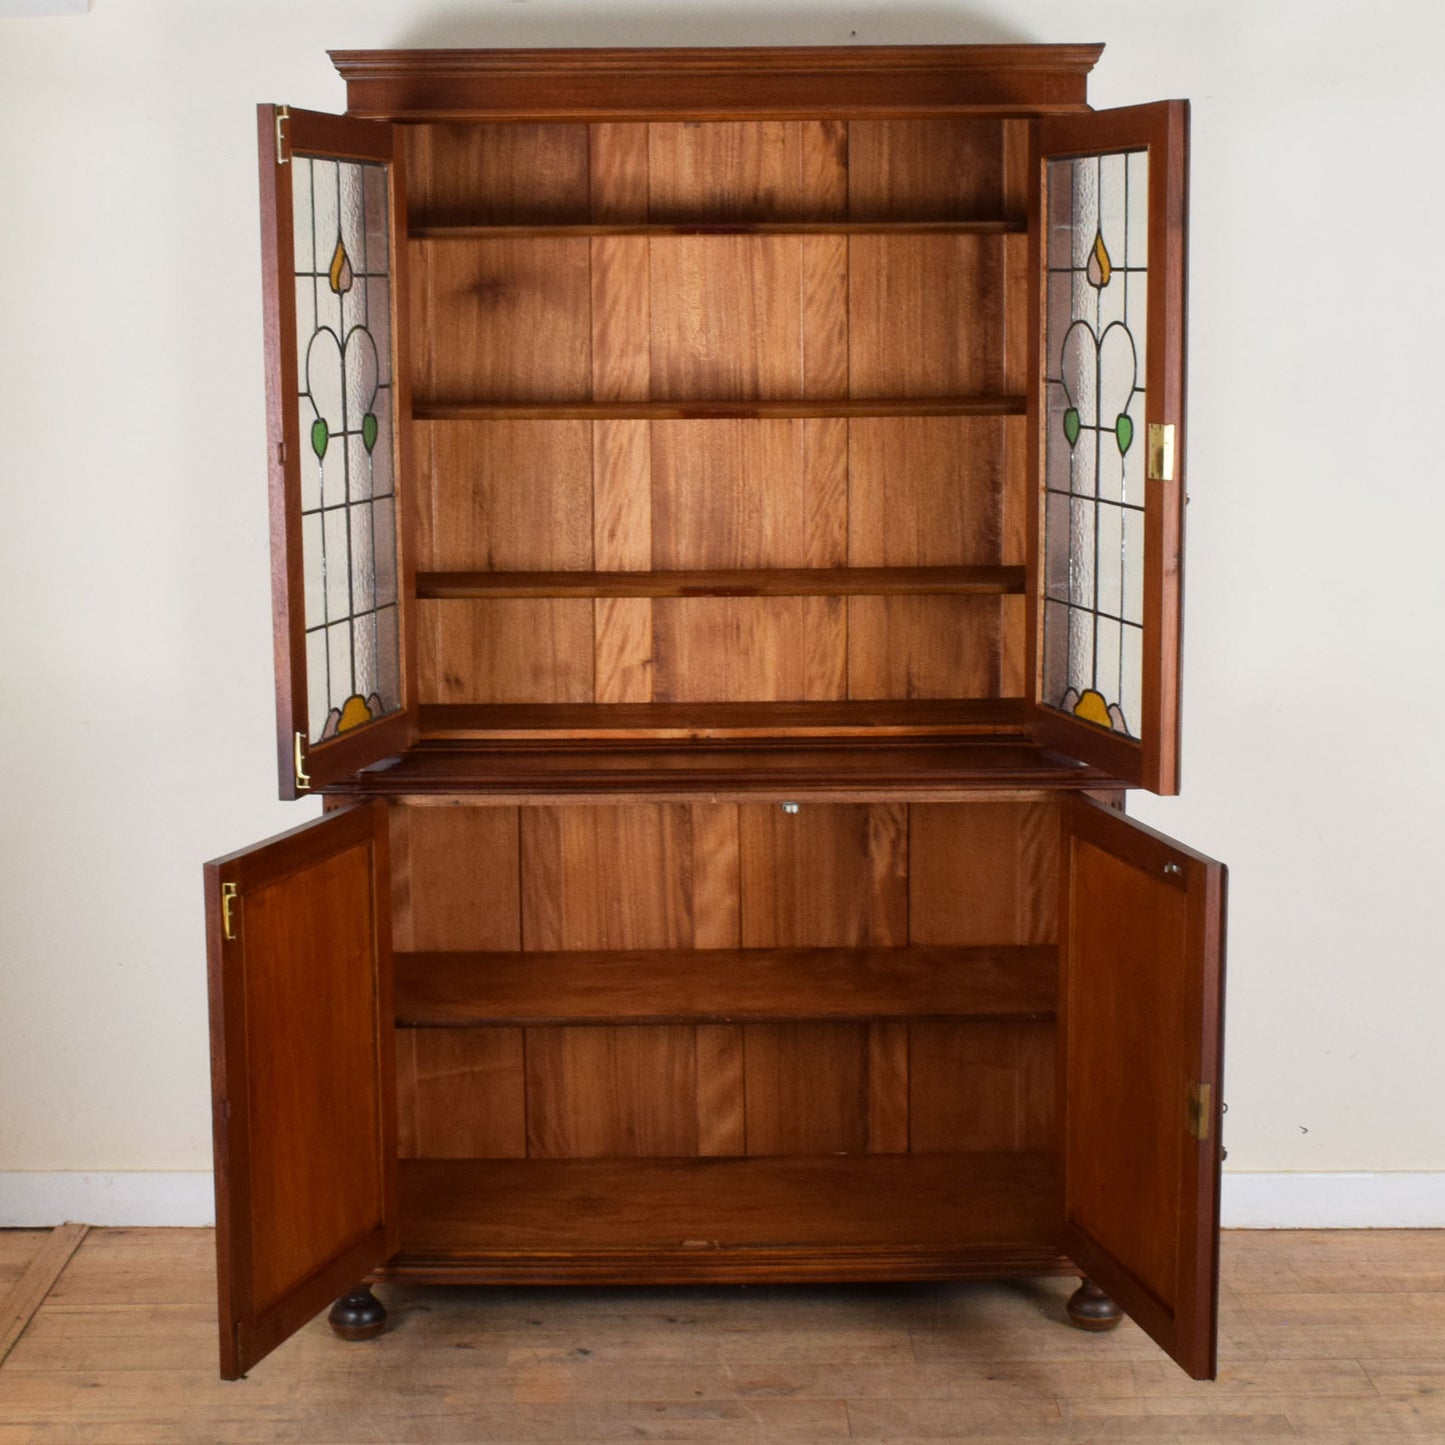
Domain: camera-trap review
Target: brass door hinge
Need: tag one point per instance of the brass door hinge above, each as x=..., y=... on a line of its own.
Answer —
x=1200, y=1110
x=283, y=148
x=228, y=916
x=1161, y=452
x=303, y=778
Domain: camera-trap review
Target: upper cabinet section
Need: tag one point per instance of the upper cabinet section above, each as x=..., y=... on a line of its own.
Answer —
x=1108, y=284
x=333, y=236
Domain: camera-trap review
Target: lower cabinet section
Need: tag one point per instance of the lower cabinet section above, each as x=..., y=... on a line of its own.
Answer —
x=658, y=1043
x=689, y=1221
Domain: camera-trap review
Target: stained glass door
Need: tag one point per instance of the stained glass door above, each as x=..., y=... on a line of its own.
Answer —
x=334, y=248
x=1108, y=239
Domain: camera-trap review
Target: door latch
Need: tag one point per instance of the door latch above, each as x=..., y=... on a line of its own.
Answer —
x=1200, y=1108
x=1161, y=452
x=228, y=916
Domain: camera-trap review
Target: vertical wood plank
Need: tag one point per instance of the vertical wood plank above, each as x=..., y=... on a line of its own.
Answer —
x=516, y=649
x=716, y=913
x=626, y=1092
x=830, y=875
x=927, y=170
x=937, y=647
x=888, y=1101
x=622, y=542
x=461, y=1094
x=983, y=873
x=721, y=1111
x=924, y=491
x=733, y=494
x=621, y=318
x=807, y=1088
x=749, y=649
x=460, y=871
x=618, y=172
x=823, y=282
x=624, y=647
x=505, y=496
x=981, y=1086
x=495, y=173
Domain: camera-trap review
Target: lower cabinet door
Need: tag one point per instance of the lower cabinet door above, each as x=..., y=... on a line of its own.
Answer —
x=1141, y=1002
x=299, y=945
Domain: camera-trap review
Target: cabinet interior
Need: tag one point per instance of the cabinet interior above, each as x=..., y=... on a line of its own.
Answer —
x=719, y=426
x=606, y=991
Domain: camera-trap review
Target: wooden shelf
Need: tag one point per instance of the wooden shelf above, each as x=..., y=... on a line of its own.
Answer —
x=661, y=1221
x=656, y=721
x=655, y=229
x=820, y=769
x=751, y=582
x=725, y=985
x=686, y=410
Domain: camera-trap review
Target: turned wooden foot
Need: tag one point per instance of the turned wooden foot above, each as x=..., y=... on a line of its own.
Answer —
x=1091, y=1309
x=358, y=1315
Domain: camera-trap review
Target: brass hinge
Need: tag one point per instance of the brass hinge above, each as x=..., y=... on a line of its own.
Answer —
x=1161, y=452
x=228, y=916
x=283, y=149
x=303, y=778
x=1200, y=1098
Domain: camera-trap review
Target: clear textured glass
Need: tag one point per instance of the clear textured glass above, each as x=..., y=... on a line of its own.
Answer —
x=349, y=537
x=1094, y=435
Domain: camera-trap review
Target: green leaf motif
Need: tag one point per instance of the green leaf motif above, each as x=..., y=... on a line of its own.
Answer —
x=369, y=430
x=1124, y=433
x=320, y=437
x=1071, y=425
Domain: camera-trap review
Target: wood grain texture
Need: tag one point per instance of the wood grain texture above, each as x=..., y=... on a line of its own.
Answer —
x=619, y=172
x=504, y=495
x=925, y=647
x=923, y=314
x=766, y=649
x=506, y=651
x=19, y=1305
x=496, y=174
x=1330, y=1336
x=826, y=876
x=628, y=877
x=750, y=493
x=980, y=1086
x=461, y=1094
x=499, y=989
x=619, y=1093
x=501, y=320
x=926, y=492
x=770, y=170
x=926, y=170
x=743, y=318
x=808, y=1088
x=621, y=318
x=983, y=873
x=455, y=878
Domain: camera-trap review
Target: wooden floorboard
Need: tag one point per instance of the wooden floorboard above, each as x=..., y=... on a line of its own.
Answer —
x=1325, y=1336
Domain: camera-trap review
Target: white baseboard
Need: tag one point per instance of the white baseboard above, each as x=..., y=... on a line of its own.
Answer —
x=1403, y=1200
x=31, y=1199
x=1406, y=1199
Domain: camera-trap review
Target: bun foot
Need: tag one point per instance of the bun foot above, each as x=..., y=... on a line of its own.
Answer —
x=358, y=1315
x=1091, y=1309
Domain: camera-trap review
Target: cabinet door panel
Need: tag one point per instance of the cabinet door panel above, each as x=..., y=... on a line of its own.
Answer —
x=299, y=945
x=1106, y=413
x=333, y=234
x=1142, y=961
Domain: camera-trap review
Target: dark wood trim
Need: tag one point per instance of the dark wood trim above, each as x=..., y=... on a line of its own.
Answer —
x=424, y=410
x=913, y=769
x=657, y=230
x=720, y=83
x=992, y=716
x=655, y=986
x=754, y=582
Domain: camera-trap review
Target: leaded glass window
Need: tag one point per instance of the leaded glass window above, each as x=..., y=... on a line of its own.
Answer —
x=1097, y=261
x=344, y=396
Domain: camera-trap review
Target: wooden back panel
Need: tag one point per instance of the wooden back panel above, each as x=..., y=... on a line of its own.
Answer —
x=525, y=298
x=711, y=876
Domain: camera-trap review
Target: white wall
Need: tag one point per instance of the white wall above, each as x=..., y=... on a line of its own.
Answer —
x=135, y=692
